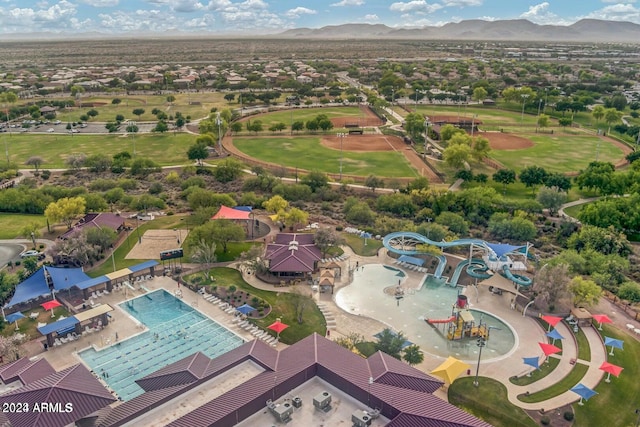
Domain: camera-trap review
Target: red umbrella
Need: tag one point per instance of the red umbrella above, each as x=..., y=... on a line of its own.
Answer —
x=611, y=369
x=50, y=305
x=551, y=320
x=548, y=349
x=602, y=318
x=278, y=327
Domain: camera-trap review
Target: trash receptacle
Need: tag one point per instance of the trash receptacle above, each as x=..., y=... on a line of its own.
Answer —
x=468, y=371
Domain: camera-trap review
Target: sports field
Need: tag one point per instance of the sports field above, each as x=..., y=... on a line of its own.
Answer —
x=354, y=113
x=308, y=152
x=165, y=149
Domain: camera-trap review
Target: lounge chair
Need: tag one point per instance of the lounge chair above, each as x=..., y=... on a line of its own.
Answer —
x=94, y=295
x=106, y=292
x=41, y=324
x=34, y=315
x=274, y=343
x=57, y=342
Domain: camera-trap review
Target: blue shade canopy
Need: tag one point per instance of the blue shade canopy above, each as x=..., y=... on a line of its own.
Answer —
x=33, y=287
x=583, y=391
x=245, y=309
x=613, y=342
x=503, y=248
x=13, y=317
x=244, y=208
x=64, y=278
x=411, y=260
x=531, y=361
x=365, y=235
x=92, y=282
x=554, y=334
x=59, y=326
x=143, y=266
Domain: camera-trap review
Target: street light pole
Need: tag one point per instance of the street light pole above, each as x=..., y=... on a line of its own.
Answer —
x=341, y=135
x=219, y=123
x=426, y=135
x=524, y=100
x=481, y=343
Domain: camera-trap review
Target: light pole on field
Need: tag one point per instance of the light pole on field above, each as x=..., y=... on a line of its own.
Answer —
x=524, y=100
x=341, y=135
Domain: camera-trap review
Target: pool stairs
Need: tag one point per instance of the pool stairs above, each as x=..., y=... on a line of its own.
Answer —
x=328, y=316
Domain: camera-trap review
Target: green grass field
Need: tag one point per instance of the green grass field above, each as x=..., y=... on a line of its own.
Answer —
x=11, y=224
x=289, y=116
x=309, y=154
x=557, y=153
x=165, y=149
x=492, y=118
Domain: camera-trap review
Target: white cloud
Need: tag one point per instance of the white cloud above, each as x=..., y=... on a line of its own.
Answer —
x=186, y=6
x=540, y=14
x=617, y=12
x=100, y=3
x=462, y=3
x=348, y=3
x=489, y=18
x=414, y=6
x=298, y=11
x=371, y=18
x=617, y=1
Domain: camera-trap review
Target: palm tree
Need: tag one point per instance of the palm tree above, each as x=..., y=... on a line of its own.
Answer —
x=413, y=355
x=204, y=253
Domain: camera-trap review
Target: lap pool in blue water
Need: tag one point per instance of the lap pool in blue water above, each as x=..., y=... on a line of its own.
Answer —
x=176, y=331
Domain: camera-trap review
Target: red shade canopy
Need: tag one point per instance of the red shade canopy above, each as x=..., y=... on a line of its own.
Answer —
x=611, y=369
x=278, y=326
x=602, y=318
x=548, y=349
x=50, y=305
x=552, y=320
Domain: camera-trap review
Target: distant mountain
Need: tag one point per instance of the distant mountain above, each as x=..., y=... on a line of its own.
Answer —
x=591, y=30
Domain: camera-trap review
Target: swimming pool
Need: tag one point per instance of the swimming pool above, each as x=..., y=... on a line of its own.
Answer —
x=176, y=330
x=366, y=296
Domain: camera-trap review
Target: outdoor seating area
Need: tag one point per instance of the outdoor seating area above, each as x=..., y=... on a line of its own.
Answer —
x=409, y=266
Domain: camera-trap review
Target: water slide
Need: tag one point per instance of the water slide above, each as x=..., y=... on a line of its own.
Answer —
x=412, y=238
x=434, y=321
x=442, y=263
x=515, y=278
x=478, y=269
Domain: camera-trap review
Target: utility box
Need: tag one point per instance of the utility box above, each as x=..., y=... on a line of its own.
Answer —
x=297, y=402
x=322, y=401
x=361, y=418
x=282, y=411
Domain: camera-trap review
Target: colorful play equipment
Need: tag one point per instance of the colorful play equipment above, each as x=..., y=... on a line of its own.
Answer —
x=461, y=324
x=483, y=257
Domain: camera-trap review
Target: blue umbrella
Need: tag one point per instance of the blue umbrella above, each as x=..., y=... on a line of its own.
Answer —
x=555, y=335
x=365, y=236
x=584, y=392
x=245, y=309
x=531, y=361
x=14, y=317
x=614, y=343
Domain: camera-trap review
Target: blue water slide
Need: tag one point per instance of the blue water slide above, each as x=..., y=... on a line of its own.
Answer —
x=456, y=273
x=515, y=278
x=442, y=263
x=412, y=239
x=478, y=269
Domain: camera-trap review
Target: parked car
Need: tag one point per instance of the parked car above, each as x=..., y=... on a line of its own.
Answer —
x=51, y=130
x=33, y=252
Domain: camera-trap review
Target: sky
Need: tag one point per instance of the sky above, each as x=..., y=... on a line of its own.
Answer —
x=272, y=16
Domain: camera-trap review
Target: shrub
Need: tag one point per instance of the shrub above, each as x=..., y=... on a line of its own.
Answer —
x=46, y=174
x=568, y=415
x=545, y=421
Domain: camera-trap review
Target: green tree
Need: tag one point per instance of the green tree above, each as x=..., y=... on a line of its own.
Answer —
x=479, y=94
x=275, y=204
x=532, y=176
x=598, y=112
x=457, y=155
x=597, y=176
x=171, y=99
x=223, y=231
x=35, y=161
x=316, y=180
x=390, y=343
x=629, y=291
x=65, y=210
x=295, y=218
x=326, y=238
x=551, y=284
x=414, y=125
x=228, y=170
x=585, y=292
x=456, y=223
x=372, y=182
x=505, y=177
x=551, y=198
x=611, y=116
x=138, y=112
x=204, y=253
x=198, y=152
x=413, y=355
x=543, y=121
x=236, y=127
x=448, y=131
x=480, y=148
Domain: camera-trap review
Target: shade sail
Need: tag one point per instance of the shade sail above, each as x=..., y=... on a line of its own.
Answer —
x=143, y=266
x=14, y=317
x=500, y=282
x=610, y=368
x=549, y=349
x=602, y=318
x=532, y=361
x=278, y=326
x=552, y=320
x=33, y=287
x=245, y=309
x=450, y=369
x=50, y=305
x=60, y=325
x=583, y=391
x=226, y=212
x=64, y=278
x=501, y=249
x=555, y=335
x=86, y=284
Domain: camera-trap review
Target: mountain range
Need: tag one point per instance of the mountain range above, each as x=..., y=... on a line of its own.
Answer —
x=585, y=30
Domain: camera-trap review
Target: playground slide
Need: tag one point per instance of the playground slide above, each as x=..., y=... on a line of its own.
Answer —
x=478, y=269
x=516, y=278
x=442, y=263
x=433, y=321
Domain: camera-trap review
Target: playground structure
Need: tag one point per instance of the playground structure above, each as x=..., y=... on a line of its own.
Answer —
x=484, y=257
x=461, y=324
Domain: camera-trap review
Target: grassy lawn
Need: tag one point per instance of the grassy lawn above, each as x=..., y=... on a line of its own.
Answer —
x=308, y=153
x=29, y=326
x=289, y=116
x=488, y=401
x=282, y=306
x=165, y=149
x=559, y=153
x=357, y=244
x=492, y=118
x=584, y=349
x=11, y=224
x=616, y=401
x=558, y=388
x=537, y=374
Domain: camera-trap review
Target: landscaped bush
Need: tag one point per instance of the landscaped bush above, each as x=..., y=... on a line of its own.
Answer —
x=545, y=421
x=568, y=415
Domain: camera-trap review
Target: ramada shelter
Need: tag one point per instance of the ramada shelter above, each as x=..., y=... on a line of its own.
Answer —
x=293, y=255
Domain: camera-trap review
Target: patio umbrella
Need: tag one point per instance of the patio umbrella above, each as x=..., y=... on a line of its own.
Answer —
x=532, y=361
x=278, y=327
x=14, y=317
x=610, y=368
x=555, y=335
x=584, y=392
x=602, y=318
x=450, y=369
x=365, y=236
x=50, y=305
x=551, y=320
x=613, y=343
x=245, y=309
x=549, y=349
